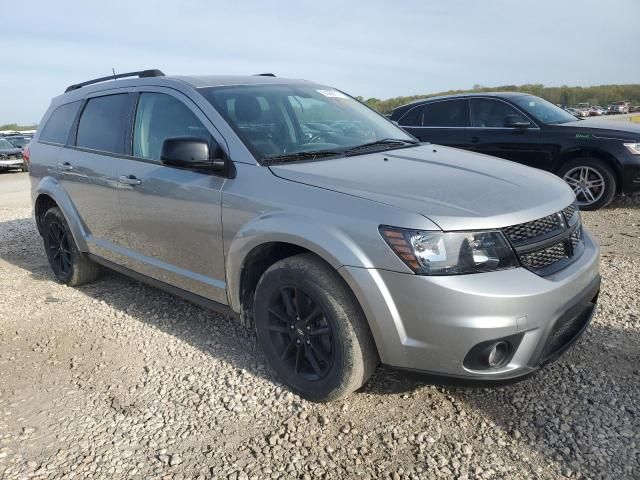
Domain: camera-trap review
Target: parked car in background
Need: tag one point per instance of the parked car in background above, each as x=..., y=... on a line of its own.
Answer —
x=634, y=108
x=597, y=160
x=353, y=246
x=576, y=113
x=18, y=141
x=619, y=107
x=596, y=110
x=10, y=156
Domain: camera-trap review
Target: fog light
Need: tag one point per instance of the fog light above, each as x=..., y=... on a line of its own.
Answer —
x=493, y=353
x=497, y=354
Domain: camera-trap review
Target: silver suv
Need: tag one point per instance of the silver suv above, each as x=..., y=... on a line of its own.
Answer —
x=337, y=236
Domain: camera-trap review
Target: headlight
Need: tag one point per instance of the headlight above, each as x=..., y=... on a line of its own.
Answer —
x=450, y=253
x=634, y=148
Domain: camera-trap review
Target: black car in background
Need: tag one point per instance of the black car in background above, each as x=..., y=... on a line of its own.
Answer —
x=597, y=160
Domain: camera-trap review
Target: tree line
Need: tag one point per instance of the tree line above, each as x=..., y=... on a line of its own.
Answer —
x=564, y=95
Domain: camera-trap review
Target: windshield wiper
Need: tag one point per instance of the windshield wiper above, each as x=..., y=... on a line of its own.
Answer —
x=385, y=142
x=285, y=157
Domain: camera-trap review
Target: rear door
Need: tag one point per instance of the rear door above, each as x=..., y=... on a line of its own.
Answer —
x=171, y=216
x=88, y=169
x=488, y=134
x=443, y=122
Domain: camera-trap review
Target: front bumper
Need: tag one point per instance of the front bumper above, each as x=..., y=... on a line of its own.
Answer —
x=430, y=324
x=12, y=163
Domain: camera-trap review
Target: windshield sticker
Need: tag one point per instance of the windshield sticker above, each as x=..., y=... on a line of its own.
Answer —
x=332, y=93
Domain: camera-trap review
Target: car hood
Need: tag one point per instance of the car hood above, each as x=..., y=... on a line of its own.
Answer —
x=610, y=129
x=455, y=189
x=9, y=151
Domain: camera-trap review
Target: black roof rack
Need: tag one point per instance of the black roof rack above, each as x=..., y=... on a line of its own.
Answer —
x=265, y=75
x=140, y=74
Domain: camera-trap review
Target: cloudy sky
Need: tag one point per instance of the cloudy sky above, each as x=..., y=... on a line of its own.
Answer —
x=366, y=47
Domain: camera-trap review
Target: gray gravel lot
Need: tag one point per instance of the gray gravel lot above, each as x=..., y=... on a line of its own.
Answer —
x=119, y=380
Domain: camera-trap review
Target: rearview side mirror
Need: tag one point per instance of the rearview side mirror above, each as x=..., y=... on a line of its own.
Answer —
x=516, y=121
x=194, y=153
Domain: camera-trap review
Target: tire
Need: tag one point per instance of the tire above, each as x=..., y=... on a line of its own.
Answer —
x=337, y=336
x=25, y=167
x=598, y=173
x=69, y=265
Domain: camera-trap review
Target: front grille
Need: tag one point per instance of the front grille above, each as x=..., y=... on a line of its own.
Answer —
x=565, y=331
x=539, y=259
x=576, y=238
x=550, y=243
x=568, y=214
x=532, y=231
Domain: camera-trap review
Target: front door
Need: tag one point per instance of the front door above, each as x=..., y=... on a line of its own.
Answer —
x=491, y=135
x=172, y=216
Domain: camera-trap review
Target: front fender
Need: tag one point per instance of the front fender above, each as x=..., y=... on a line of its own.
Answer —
x=331, y=243
x=50, y=186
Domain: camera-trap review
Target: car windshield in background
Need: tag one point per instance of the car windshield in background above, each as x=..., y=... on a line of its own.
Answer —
x=288, y=122
x=18, y=142
x=5, y=144
x=544, y=111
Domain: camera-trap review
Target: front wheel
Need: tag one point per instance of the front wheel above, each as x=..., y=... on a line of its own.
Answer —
x=311, y=329
x=592, y=181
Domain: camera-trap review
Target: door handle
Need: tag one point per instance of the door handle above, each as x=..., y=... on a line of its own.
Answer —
x=475, y=139
x=66, y=166
x=129, y=180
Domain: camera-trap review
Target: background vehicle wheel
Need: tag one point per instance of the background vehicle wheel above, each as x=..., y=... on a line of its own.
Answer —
x=592, y=180
x=69, y=265
x=312, y=330
x=25, y=167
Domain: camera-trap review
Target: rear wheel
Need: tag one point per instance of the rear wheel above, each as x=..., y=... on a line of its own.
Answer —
x=592, y=181
x=69, y=265
x=312, y=330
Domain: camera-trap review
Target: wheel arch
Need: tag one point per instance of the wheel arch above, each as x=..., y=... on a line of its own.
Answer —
x=49, y=194
x=595, y=153
x=268, y=239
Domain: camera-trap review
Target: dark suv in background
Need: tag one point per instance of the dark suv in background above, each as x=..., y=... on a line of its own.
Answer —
x=597, y=160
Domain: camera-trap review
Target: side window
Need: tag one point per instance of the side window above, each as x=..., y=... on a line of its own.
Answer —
x=58, y=126
x=489, y=113
x=413, y=118
x=448, y=113
x=160, y=116
x=103, y=123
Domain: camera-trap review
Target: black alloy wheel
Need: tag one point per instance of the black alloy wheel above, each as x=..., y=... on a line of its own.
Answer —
x=59, y=250
x=300, y=333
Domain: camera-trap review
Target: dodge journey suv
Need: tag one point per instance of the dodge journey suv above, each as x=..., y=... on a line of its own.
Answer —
x=343, y=241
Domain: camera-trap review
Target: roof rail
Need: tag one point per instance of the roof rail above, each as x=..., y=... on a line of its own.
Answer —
x=141, y=74
x=265, y=75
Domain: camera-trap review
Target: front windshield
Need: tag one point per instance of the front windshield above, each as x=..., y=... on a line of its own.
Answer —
x=5, y=144
x=278, y=121
x=544, y=111
x=18, y=142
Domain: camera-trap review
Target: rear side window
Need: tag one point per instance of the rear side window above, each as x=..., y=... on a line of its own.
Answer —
x=449, y=113
x=103, y=123
x=57, y=128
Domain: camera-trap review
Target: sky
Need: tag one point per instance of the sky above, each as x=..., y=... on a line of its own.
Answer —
x=370, y=48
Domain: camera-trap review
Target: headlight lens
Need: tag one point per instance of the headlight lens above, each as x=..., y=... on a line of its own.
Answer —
x=634, y=148
x=450, y=253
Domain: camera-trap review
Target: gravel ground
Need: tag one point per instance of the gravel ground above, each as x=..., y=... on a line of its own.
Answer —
x=119, y=380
